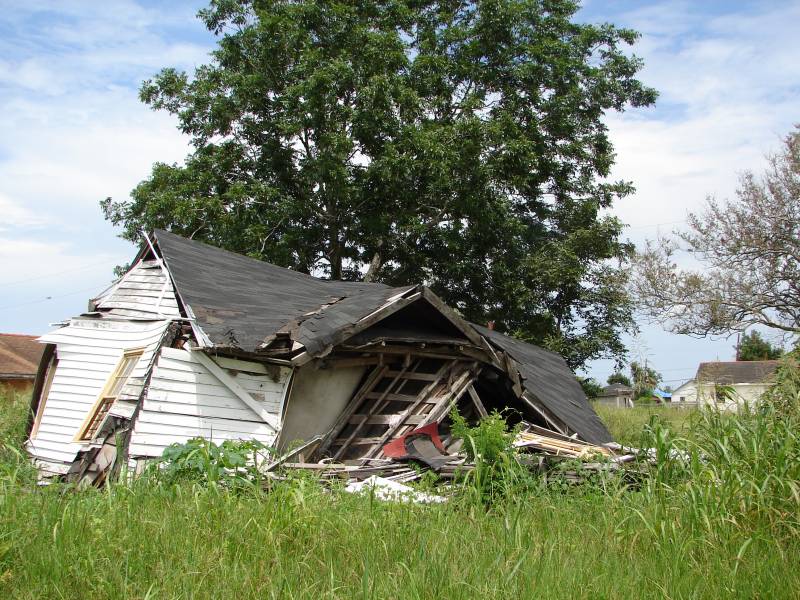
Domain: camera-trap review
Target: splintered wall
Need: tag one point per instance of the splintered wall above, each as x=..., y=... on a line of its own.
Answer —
x=193, y=395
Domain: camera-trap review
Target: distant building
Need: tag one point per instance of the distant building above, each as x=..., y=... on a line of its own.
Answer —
x=686, y=393
x=616, y=394
x=662, y=395
x=19, y=360
x=727, y=385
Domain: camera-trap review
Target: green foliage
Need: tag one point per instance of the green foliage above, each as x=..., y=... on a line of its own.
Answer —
x=234, y=462
x=488, y=441
x=644, y=379
x=460, y=144
x=497, y=474
x=14, y=416
x=784, y=396
x=591, y=388
x=754, y=347
x=618, y=377
x=722, y=523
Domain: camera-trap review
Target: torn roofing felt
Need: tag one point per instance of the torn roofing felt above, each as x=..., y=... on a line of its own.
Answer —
x=548, y=378
x=240, y=302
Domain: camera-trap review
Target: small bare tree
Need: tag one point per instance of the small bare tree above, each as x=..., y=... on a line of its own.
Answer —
x=749, y=249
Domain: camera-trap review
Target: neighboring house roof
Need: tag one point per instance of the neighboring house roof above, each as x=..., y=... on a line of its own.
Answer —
x=19, y=356
x=729, y=373
x=244, y=303
x=661, y=393
x=616, y=389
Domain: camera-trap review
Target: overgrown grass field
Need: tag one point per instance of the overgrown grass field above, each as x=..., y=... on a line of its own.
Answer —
x=721, y=520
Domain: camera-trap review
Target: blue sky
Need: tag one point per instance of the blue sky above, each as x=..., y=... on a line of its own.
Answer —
x=74, y=132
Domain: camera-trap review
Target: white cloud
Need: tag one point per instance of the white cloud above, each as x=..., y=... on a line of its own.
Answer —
x=728, y=93
x=75, y=132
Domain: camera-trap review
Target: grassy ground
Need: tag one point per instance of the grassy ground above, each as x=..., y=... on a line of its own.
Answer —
x=693, y=532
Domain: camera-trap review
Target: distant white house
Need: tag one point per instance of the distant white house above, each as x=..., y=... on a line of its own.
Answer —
x=616, y=394
x=727, y=385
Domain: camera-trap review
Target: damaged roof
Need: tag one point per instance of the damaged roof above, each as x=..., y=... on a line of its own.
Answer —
x=548, y=378
x=243, y=303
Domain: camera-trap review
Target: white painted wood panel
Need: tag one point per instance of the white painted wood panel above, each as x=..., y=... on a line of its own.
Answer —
x=127, y=299
x=87, y=351
x=186, y=400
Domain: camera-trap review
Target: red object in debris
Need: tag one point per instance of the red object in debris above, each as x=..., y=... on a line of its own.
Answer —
x=397, y=447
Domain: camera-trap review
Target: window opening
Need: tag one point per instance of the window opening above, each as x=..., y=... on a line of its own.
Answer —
x=109, y=394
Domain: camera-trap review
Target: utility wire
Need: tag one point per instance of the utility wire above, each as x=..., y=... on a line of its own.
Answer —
x=657, y=225
x=39, y=277
x=48, y=298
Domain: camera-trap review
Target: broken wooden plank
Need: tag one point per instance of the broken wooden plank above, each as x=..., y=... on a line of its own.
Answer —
x=476, y=400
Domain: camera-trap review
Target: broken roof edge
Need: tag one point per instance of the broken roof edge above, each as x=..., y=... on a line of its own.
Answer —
x=575, y=413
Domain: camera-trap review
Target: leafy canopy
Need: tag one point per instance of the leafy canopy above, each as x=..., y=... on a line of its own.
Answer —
x=644, y=379
x=618, y=377
x=451, y=143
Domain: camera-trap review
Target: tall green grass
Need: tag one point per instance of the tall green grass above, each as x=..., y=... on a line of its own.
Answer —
x=721, y=521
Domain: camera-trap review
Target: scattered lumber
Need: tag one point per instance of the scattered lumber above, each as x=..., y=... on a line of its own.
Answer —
x=559, y=447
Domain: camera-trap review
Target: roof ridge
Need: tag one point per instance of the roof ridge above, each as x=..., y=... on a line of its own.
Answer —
x=238, y=255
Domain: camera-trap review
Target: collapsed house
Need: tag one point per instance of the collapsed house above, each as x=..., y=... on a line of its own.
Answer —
x=195, y=341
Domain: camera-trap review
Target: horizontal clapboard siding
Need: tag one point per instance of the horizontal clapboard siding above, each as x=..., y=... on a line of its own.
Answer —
x=88, y=350
x=184, y=400
x=144, y=292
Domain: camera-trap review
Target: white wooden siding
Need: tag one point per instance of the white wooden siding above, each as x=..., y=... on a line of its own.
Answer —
x=144, y=292
x=87, y=351
x=184, y=400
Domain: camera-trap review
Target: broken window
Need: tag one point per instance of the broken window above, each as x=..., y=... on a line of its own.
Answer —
x=48, y=381
x=110, y=392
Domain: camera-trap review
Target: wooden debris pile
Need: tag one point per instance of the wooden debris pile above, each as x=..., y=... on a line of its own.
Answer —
x=540, y=450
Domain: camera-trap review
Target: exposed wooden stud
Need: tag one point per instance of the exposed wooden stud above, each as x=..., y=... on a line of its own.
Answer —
x=456, y=391
x=476, y=400
x=378, y=405
x=422, y=396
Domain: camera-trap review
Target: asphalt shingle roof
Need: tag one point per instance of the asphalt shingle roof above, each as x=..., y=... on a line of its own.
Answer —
x=744, y=371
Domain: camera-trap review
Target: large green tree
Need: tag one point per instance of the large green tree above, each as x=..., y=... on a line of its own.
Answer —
x=459, y=144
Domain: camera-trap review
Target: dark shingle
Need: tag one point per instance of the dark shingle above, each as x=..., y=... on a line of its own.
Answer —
x=242, y=301
x=550, y=380
x=728, y=373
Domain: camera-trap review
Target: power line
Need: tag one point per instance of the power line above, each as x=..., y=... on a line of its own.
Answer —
x=46, y=276
x=657, y=225
x=48, y=298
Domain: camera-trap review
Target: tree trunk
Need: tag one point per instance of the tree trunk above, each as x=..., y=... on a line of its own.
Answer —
x=374, y=264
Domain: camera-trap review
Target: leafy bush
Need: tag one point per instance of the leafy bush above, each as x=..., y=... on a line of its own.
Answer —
x=497, y=473
x=202, y=461
x=734, y=471
x=487, y=441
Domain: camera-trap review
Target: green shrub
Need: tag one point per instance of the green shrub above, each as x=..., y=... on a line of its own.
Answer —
x=202, y=461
